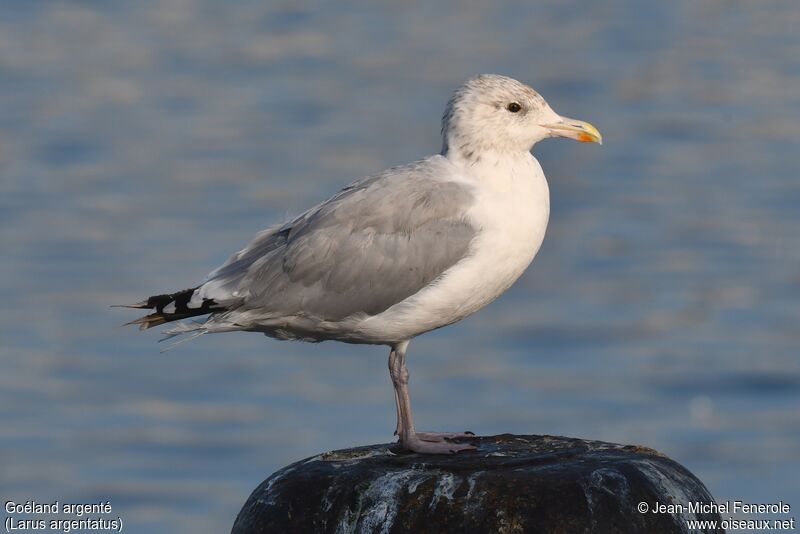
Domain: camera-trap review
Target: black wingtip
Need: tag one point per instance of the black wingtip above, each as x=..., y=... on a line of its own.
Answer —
x=157, y=303
x=149, y=321
x=143, y=305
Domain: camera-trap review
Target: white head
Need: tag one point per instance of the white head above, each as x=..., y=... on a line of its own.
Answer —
x=496, y=113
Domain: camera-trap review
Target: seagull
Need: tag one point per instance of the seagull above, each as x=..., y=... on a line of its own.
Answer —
x=400, y=253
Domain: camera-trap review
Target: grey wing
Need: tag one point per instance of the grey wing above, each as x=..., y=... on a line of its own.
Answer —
x=374, y=244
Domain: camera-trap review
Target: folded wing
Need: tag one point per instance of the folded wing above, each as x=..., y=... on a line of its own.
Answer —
x=374, y=244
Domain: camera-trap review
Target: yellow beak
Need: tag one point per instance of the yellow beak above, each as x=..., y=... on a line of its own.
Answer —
x=575, y=129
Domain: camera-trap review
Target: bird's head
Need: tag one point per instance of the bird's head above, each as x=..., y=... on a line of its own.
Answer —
x=496, y=113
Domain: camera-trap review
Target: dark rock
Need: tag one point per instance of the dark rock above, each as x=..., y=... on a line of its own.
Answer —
x=511, y=484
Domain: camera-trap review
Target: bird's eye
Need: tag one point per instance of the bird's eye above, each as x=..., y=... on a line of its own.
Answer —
x=513, y=107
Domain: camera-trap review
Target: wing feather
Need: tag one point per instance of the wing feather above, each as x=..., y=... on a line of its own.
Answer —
x=374, y=244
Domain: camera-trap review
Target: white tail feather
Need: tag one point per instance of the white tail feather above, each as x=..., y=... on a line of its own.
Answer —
x=191, y=329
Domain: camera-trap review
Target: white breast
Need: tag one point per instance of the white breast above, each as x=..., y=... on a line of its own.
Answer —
x=512, y=209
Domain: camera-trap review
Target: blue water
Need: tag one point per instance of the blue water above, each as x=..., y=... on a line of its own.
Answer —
x=142, y=142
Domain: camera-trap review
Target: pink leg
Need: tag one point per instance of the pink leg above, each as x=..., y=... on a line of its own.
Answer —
x=392, y=363
x=410, y=439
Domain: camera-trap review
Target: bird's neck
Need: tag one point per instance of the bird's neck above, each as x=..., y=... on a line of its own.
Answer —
x=497, y=167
